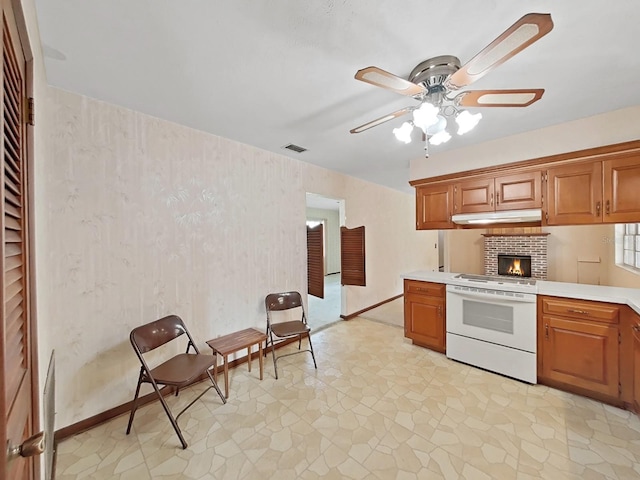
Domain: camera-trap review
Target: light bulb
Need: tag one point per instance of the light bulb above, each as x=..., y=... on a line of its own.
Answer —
x=467, y=121
x=441, y=137
x=403, y=133
x=425, y=116
x=438, y=126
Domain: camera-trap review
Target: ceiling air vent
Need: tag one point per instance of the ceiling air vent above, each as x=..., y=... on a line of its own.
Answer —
x=295, y=148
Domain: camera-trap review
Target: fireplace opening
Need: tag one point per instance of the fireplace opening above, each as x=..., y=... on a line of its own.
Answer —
x=514, y=265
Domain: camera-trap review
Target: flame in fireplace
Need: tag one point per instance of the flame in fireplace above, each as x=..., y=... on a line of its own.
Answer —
x=515, y=269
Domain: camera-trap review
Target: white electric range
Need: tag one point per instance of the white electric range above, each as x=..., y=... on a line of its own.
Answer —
x=491, y=324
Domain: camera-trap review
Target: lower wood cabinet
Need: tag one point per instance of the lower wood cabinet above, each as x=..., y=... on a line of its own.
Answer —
x=424, y=314
x=636, y=364
x=579, y=345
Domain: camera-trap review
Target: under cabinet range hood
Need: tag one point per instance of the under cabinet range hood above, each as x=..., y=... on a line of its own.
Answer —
x=508, y=216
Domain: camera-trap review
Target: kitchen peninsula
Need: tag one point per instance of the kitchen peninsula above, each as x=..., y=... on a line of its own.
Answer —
x=587, y=337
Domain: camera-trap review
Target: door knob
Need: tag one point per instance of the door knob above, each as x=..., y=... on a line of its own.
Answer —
x=34, y=445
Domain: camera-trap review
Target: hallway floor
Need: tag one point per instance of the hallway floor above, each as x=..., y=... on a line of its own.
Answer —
x=325, y=311
x=376, y=408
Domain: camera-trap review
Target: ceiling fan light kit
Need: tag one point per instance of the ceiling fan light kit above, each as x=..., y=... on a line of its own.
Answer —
x=435, y=81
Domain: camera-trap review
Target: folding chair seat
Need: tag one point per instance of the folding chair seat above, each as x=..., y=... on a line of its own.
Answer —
x=177, y=372
x=283, y=330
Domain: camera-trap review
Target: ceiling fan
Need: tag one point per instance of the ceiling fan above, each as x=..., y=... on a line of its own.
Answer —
x=435, y=83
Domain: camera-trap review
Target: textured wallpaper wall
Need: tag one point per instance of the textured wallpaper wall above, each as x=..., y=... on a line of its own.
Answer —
x=145, y=218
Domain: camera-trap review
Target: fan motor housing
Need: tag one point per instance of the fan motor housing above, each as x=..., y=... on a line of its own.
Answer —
x=432, y=73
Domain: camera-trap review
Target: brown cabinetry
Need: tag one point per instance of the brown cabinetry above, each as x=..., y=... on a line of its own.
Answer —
x=575, y=194
x=508, y=192
x=598, y=185
x=434, y=207
x=424, y=314
x=579, y=345
x=635, y=328
x=621, y=189
x=595, y=192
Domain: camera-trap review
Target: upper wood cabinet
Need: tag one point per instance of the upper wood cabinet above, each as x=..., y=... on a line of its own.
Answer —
x=507, y=192
x=575, y=194
x=473, y=196
x=519, y=191
x=595, y=192
x=598, y=185
x=434, y=207
x=621, y=189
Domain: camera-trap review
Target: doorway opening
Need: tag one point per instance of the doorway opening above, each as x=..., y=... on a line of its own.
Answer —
x=325, y=301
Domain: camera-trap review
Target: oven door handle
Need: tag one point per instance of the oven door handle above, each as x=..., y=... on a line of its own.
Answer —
x=495, y=298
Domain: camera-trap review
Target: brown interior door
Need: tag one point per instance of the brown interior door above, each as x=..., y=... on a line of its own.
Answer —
x=16, y=345
x=352, y=256
x=315, y=261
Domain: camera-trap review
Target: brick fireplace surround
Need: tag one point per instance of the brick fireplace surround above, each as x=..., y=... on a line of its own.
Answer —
x=534, y=244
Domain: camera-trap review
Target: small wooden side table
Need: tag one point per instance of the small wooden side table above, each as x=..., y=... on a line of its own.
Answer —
x=232, y=343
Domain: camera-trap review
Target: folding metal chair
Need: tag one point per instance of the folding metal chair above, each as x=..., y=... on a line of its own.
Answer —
x=179, y=371
x=278, y=302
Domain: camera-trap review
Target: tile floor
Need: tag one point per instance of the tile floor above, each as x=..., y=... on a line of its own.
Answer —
x=322, y=312
x=376, y=408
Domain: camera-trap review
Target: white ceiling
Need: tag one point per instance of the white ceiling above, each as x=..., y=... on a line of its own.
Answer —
x=269, y=73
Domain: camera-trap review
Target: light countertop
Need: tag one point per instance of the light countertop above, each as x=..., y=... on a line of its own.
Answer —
x=600, y=293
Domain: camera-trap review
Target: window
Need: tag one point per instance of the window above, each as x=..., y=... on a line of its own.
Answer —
x=628, y=246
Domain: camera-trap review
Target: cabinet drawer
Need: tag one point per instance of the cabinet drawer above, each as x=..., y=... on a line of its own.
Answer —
x=424, y=288
x=583, y=309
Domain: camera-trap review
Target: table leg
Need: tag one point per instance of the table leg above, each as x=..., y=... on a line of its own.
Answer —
x=215, y=366
x=249, y=356
x=226, y=377
x=260, y=358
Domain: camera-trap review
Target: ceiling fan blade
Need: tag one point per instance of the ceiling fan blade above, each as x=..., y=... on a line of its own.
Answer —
x=516, y=38
x=380, y=120
x=499, y=98
x=381, y=78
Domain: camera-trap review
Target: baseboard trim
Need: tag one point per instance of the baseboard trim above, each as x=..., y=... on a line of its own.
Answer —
x=114, y=412
x=360, y=312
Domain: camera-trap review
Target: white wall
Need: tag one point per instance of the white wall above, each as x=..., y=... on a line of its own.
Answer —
x=331, y=237
x=605, y=129
x=146, y=218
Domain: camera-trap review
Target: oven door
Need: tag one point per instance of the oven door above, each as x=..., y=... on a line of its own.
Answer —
x=495, y=316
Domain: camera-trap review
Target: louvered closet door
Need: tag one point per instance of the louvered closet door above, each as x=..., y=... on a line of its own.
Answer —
x=315, y=261
x=16, y=372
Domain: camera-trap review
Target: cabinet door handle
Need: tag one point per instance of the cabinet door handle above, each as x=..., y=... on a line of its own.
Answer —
x=607, y=207
x=440, y=311
x=546, y=330
x=581, y=312
x=491, y=201
x=497, y=198
x=597, y=209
